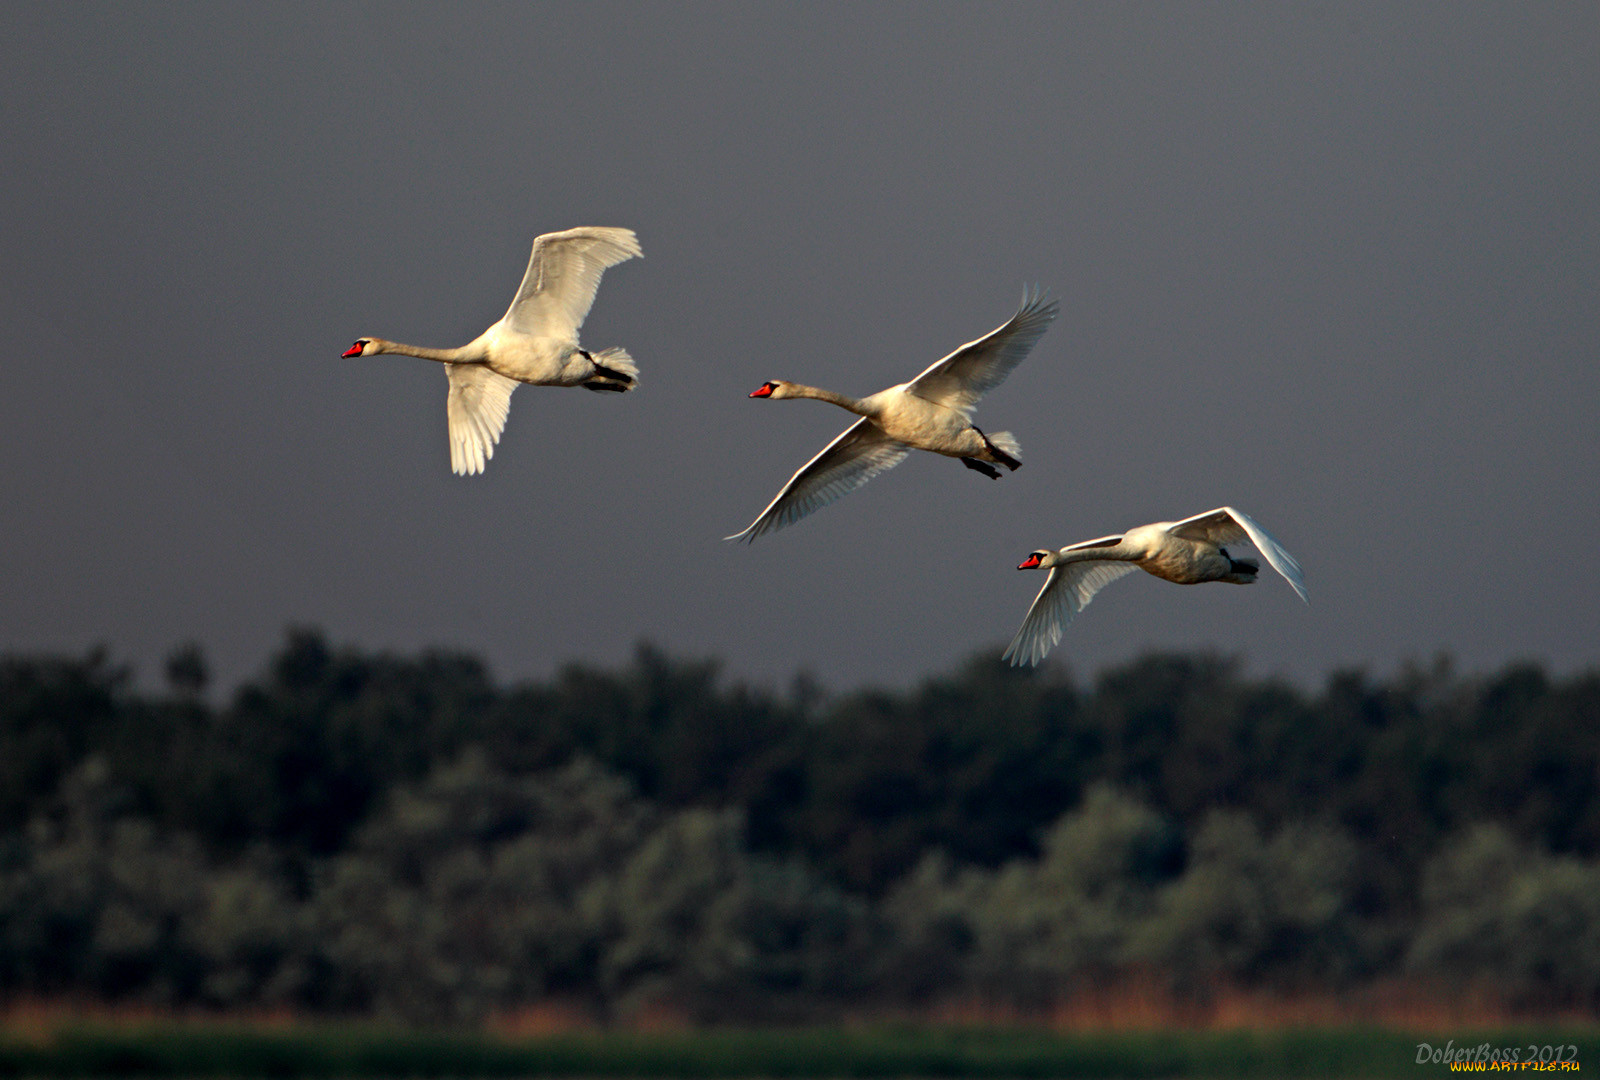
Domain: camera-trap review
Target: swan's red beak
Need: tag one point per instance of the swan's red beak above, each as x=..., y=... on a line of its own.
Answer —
x=764, y=390
x=1030, y=563
x=354, y=350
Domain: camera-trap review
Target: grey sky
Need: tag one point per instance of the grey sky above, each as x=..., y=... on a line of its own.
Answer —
x=1337, y=265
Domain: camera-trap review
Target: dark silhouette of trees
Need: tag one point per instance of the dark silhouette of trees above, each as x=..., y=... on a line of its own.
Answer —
x=354, y=832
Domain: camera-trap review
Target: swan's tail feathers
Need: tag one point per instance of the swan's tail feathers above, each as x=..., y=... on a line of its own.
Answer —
x=613, y=366
x=617, y=359
x=1007, y=449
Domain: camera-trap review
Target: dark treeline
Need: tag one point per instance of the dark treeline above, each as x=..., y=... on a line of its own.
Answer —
x=359, y=833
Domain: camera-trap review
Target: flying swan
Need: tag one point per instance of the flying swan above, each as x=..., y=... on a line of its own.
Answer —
x=931, y=412
x=1187, y=552
x=535, y=342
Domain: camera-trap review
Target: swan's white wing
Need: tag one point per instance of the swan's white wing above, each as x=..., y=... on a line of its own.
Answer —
x=563, y=274
x=477, y=406
x=1225, y=525
x=961, y=378
x=856, y=456
x=1067, y=591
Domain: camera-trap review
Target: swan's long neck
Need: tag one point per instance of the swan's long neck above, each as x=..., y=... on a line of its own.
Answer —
x=1121, y=551
x=800, y=390
x=463, y=354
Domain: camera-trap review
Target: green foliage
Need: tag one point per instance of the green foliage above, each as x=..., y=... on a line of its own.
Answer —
x=1251, y=908
x=53, y=712
x=473, y=891
x=1065, y=919
x=353, y=833
x=974, y=765
x=668, y=727
x=696, y=924
x=100, y=902
x=1531, y=920
x=303, y=756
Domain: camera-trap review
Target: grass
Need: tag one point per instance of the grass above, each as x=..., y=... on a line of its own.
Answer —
x=191, y=1049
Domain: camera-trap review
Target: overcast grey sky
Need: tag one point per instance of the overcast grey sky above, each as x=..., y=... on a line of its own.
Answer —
x=1335, y=264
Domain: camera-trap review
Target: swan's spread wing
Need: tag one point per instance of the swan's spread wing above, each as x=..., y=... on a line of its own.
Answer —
x=1225, y=525
x=961, y=378
x=1067, y=591
x=849, y=461
x=563, y=274
x=477, y=406
x=1214, y=526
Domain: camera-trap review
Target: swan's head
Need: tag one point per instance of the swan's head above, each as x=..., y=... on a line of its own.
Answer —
x=1037, y=559
x=772, y=388
x=362, y=347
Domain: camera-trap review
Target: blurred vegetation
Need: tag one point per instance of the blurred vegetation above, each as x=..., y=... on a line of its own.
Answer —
x=857, y=1051
x=366, y=834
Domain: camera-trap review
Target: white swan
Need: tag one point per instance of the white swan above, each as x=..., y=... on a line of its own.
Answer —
x=931, y=412
x=1187, y=552
x=536, y=341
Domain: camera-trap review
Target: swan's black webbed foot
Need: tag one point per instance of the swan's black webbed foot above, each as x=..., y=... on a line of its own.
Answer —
x=598, y=385
x=1240, y=566
x=612, y=373
x=1000, y=455
x=980, y=466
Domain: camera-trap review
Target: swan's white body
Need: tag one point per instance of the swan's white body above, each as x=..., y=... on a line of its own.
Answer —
x=536, y=341
x=1187, y=552
x=931, y=412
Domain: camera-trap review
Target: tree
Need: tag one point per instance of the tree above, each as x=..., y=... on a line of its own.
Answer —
x=1249, y=909
x=1494, y=908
